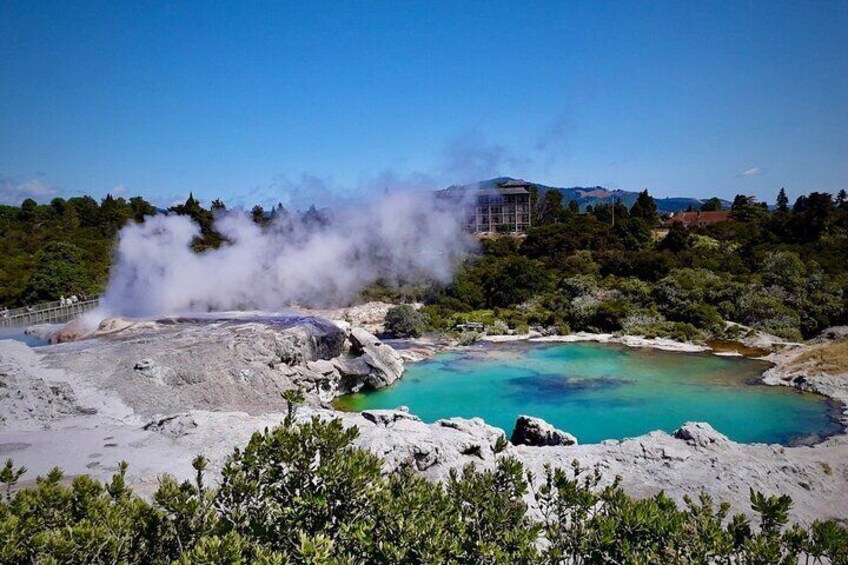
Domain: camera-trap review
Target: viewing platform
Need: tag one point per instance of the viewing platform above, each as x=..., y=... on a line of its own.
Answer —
x=46, y=313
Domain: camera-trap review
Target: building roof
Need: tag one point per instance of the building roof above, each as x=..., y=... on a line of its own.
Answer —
x=515, y=183
x=503, y=190
x=698, y=218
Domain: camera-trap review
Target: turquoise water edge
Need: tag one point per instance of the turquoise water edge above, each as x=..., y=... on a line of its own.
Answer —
x=600, y=391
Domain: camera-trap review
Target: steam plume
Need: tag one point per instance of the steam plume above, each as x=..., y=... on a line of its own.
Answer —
x=398, y=235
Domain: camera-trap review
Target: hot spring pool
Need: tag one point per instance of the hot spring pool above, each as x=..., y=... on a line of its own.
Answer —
x=599, y=392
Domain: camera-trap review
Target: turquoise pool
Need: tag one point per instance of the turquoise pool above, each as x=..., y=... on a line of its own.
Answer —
x=599, y=392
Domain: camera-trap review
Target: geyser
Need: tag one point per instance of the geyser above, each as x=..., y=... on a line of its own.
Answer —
x=293, y=260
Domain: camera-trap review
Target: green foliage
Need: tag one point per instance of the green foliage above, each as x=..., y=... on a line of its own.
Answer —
x=712, y=205
x=59, y=271
x=303, y=494
x=784, y=272
x=644, y=208
x=64, y=248
x=404, y=321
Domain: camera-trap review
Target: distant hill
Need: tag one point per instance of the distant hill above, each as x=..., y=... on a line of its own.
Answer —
x=590, y=196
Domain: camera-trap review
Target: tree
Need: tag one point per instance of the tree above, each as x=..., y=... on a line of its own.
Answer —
x=842, y=199
x=114, y=213
x=645, y=207
x=60, y=271
x=218, y=205
x=745, y=209
x=551, y=210
x=141, y=208
x=712, y=205
x=87, y=209
x=404, y=321
x=257, y=214
x=741, y=201
x=534, y=204
x=511, y=281
x=279, y=211
x=782, y=201
x=28, y=209
x=58, y=206
x=811, y=215
x=677, y=238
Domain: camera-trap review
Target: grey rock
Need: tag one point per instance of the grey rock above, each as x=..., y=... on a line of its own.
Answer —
x=322, y=366
x=385, y=364
x=174, y=426
x=701, y=434
x=386, y=418
x=434, y=449
x=537, y=432
x=156, y=373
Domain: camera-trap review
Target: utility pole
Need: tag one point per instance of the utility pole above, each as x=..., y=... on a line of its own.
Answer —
x=613, y=213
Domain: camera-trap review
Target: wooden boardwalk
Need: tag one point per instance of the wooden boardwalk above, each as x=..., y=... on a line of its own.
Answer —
x=49, y=313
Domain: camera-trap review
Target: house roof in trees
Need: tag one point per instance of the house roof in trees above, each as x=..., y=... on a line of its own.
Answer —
x=698, y=218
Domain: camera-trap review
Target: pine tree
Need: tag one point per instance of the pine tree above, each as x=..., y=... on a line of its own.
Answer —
x=645, y=207
x=782, y=201
x=842, y=199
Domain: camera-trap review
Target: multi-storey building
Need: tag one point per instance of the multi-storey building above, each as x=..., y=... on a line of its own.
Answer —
x=504, y=209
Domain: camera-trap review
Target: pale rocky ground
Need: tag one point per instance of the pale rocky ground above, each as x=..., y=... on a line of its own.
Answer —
x=156, y=394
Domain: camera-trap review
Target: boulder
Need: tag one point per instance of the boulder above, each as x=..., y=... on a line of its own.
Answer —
x=832, y=334
x=701, y=434
x=404, y=441
x=386, y=418
x=537, y=432
x=75, y=330
x=173, y=426
x=384, y=363
x=326, y=341
x=158, y=374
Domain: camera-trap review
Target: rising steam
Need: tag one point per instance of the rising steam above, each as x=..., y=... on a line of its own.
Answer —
x=398, y=236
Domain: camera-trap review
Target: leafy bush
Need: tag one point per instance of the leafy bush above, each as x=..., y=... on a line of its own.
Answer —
x=404, y=321
x=303, y=494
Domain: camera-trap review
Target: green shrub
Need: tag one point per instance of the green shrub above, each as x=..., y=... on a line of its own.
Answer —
x=404, y=321
x=303, y=494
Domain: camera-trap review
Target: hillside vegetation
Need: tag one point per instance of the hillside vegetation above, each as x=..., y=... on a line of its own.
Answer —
x=783, y=271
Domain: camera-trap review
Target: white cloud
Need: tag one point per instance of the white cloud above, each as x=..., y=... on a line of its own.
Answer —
x=752, y=172
x=118, y=189
x=13, y=192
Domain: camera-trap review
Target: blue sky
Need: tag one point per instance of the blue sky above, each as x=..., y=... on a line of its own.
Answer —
x=253, y=101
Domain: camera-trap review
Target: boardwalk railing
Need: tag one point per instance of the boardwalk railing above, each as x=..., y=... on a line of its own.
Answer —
x=51, y=313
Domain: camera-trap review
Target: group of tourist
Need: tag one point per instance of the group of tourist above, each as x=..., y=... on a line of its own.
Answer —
x=73, y=299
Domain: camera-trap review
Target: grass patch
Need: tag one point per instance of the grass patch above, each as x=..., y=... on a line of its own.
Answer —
x=829, y=358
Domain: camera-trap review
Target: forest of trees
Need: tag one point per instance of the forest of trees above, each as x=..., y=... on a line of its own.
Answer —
x=782, y=269
x=61, y=248
x=610, y=269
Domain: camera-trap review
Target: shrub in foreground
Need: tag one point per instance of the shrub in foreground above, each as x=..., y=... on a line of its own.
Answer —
x=304, y=494
x=404, y=321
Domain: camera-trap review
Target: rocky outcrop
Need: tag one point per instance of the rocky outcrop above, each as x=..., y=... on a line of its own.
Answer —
x=241, y=363
x=404, y=441
x=387, y=418
x=385, y=365
x=537, y=432
x=701, y=434
x=28, y=399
